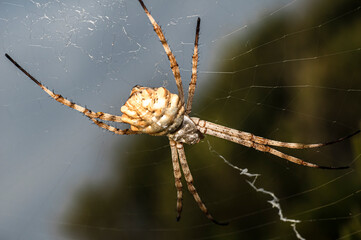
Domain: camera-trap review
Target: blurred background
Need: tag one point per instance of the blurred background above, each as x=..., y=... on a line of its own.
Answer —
x=282, y=69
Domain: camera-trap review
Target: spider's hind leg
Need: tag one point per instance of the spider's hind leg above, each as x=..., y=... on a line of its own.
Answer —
x=57, y=97
x=192, y=84
x=112, y=129
x=173, y=62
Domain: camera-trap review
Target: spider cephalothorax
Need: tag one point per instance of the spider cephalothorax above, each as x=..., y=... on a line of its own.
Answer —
x=157, y=112
x=187, y=132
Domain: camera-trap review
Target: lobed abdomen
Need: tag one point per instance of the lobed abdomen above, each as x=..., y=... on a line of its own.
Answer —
x=154, y=111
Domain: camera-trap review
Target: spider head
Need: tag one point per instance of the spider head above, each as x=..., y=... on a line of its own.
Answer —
x=187, y=132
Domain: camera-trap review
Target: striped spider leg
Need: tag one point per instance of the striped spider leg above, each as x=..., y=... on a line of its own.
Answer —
x=262, y=144
x=157, y=112
x=87, y=112
x=177, y=148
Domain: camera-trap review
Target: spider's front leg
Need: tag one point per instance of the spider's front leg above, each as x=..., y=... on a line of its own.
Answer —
x=177, y=177
x=189, y=179
x=263, y=144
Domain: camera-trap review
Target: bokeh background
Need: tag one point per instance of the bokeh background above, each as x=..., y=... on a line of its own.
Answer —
x=286, y=70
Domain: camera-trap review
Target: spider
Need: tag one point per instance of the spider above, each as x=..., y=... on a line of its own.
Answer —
x=157, y=112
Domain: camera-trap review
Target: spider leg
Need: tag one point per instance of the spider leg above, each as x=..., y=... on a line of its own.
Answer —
x=172, y=60
x=189, y=180
x=210, y=129
x=267, y=149
x=260, y=140
x=177, y=176
x=113, y=129
x=192, y=84
x=87, y=112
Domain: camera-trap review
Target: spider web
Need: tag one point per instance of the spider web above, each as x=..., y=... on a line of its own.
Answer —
x=285, y=70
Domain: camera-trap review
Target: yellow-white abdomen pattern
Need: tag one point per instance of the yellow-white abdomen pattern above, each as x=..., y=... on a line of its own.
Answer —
x=154, y=111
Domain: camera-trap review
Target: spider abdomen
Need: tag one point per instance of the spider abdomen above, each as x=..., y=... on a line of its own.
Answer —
x=154, y=111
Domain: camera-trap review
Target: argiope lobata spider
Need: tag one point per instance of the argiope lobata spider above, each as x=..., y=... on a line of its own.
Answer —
x=157, y=112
